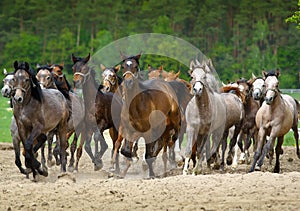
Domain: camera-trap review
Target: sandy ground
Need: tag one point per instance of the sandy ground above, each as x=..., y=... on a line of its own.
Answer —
x=90, y=190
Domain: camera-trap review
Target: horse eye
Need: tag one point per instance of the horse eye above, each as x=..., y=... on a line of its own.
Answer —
x=48, y=78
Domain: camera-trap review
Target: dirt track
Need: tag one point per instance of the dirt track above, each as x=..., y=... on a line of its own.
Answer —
x=90, y=190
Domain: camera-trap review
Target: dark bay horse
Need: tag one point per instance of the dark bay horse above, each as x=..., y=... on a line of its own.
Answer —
x=150, y=109
x=98, y=109
x=33, y=110
x=275, y=118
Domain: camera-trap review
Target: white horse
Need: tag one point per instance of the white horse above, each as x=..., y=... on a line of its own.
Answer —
x=205, y=117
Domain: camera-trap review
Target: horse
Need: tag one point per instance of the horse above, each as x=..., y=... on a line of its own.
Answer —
x=151, y=109
x=52, y=76
x=235, y=115
x=98, y=109
x=111, y=81
x=274, y=119
x=33, y=110
x=59, y=76
x=8, y=91
x=205, y=115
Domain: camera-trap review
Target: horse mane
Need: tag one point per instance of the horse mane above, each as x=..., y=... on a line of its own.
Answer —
x=62, y=90
x=36, y=91
x=234, y=90
x=43, y=67
x=120, y=80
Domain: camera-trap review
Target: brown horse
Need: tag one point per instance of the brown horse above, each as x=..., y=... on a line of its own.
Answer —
x=151, y=109
x=98, y=109
x=33, y=112
x=275, y=118
x=111, y=81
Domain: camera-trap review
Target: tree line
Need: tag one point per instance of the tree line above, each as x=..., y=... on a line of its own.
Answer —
x=240, y=36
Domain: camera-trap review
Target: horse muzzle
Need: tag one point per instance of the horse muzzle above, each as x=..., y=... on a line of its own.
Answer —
x=269, y=100
x=256, y=95
x=6, y=92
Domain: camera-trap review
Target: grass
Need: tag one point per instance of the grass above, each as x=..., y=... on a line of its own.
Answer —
x=5, y=120
x=6, y=115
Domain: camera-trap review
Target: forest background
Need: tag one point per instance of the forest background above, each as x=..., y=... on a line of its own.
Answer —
x=240, y=36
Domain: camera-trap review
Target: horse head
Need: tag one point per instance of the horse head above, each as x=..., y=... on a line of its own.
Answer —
x=80, y=69
x=44, y=76
x=8, y=83
x=198, y=75
x=110, y=77
x=25, y=83
x=258, y=87
x=131, y=69
x=272, y=86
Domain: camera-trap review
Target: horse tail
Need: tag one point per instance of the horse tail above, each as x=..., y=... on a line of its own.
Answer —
x=298, y=106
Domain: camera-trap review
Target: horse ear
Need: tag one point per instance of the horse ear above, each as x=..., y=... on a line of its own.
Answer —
x=150, y=68
x=123, y=56
x=74, y=59
x=253, y=76
x=62, y=64
x=277, y=72
x=87, y=58
x=117, y=68
x=161, y=67
x=5, y=71
x=192, y=65
x=190, y=72
x=38, y=66
x=26, y=66
x=137, y=57
x=102, y=67
x=264, y=74
x=16, y=65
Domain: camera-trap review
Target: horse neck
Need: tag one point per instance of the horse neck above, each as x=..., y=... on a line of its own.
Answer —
x=115, y=87
x=90, y=91
x=133, y=93
x=203, y=102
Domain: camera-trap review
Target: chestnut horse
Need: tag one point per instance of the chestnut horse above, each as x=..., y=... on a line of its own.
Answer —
x=150, y=109
x=98, y=109
x=275, y=118
x=33, y=110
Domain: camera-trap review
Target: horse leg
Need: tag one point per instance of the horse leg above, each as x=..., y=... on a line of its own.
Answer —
x=72, y=150
x=279, y=152
x=63, y=145
x=259, y=145
x=224, y=146
x=269, y=146
x=103, y=145
x=232, y=143
x=87, y=145
x=149, y=157
x=190, y=150
x=201, y=141
x=16, y=144
x=50, y=161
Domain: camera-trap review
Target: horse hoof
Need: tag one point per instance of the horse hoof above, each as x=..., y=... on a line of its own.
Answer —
x=50, y=163
x=58, y=162
x=70, y=168
x=98, y=165
x=257, y=168
x=229, y=161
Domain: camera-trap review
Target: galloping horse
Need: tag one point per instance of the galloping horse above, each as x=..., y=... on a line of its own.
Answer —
x=98, y=109
x=205, y=115
x=33, y=112
x=51, y=76
x=111, y=81
x=275, y=118
x=150, y=108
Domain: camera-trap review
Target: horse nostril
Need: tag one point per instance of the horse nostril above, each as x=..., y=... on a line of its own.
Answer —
x=107, y=89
